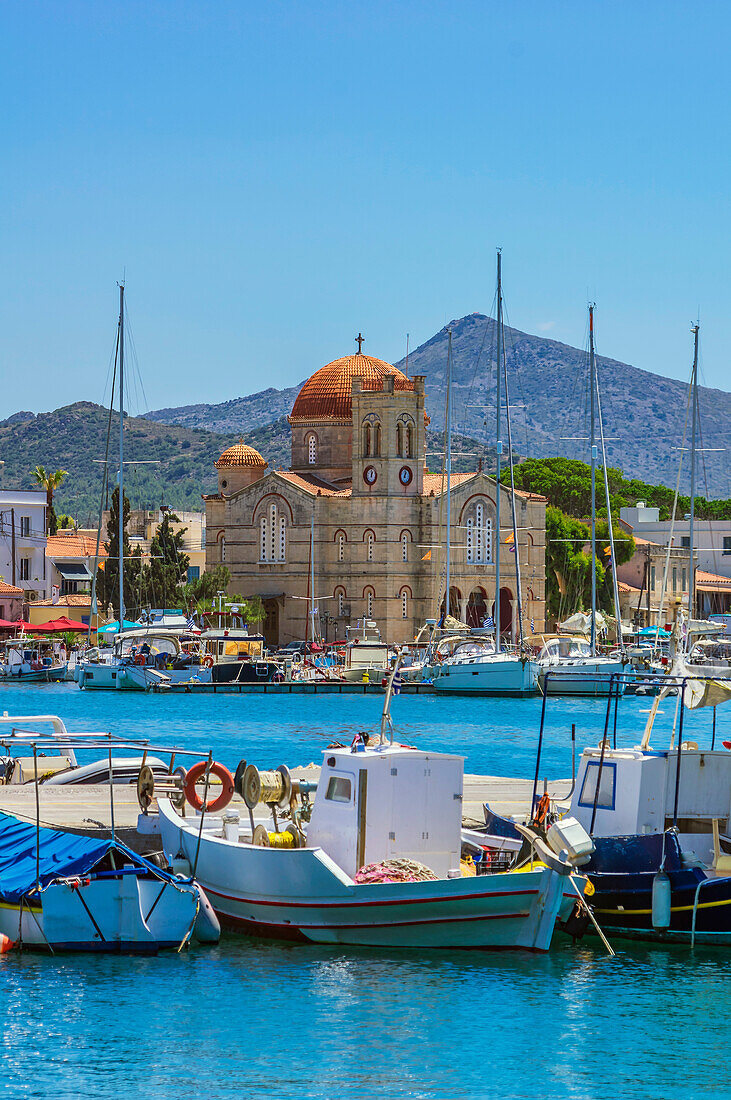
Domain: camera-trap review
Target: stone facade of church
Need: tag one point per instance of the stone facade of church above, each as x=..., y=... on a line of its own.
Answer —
x=358, y=482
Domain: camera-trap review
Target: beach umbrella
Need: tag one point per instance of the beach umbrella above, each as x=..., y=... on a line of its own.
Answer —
x=61, y=625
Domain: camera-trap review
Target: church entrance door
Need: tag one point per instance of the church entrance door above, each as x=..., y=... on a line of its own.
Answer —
x=270, y=628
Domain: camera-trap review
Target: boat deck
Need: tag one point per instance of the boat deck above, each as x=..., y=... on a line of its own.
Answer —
x=87, y=808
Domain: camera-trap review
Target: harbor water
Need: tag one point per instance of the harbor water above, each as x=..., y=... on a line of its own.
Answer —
x=251, y=1018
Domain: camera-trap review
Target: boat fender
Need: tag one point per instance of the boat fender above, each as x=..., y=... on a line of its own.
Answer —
x=206, y=928
x=661, y=901
x=227, y=786
x=6, y=944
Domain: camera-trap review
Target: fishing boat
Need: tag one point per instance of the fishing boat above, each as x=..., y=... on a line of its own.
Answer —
x=366, y=656
x=64, y=892
x=370, y=855
x=141, y=659
x=29, y=661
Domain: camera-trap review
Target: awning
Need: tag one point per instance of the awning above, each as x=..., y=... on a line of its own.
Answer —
x=73, y=571
x=62, y=625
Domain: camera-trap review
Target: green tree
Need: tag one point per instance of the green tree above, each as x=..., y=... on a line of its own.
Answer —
x=107, y=577
x=161, y=580
x=568, y=563
x=50, y=482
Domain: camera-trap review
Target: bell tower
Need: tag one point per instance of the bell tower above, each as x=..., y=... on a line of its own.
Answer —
x=389, y=438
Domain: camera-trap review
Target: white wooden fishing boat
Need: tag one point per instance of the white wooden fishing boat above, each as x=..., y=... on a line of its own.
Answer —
x=379, y=815
x=29, y=661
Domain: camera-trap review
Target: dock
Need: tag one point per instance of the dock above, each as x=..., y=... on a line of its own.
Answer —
x=296, y=687
x=87, y=808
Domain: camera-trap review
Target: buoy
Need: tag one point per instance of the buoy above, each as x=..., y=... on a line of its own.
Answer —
x=227, y=786
x=6, y=944
x=661, y=901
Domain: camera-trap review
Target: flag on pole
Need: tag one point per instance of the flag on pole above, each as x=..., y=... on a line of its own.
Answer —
x=427, y=556
x=509, y=538
x=533, y=626
x=191, y=622
x=488, y=622
x=396, y=686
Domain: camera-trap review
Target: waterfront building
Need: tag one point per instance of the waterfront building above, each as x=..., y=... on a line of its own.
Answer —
x=143, y=524
x=359, y=509
x=23, y=541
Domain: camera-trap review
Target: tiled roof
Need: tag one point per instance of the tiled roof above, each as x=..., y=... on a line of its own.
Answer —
x=327, y=392
x=433, y=484
x=9, y=590
x=72, y=545
x=240, y=455
x=312, y=485
x=623, y=587
x=712, y=580
x=66, y=601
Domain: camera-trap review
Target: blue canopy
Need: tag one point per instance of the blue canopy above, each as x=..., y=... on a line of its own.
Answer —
x=651, y=631
x=61, y=855
x=113, y=628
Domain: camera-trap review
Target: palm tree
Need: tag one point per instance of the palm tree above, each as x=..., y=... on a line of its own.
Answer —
x=50, y=482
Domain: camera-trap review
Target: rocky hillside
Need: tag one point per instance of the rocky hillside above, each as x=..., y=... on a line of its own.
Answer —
x=643, y=412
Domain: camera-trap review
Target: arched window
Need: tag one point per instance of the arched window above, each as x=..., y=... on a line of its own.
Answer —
x=479, y=535
x=400, y=440
x=405, y=546
x=341, y=547
x=404, y=594
x=223, y=547
x=370, y=596
x=366, y=440
x=369, y=540
x=311, y=449
x=409, y=441
x=273, y=535
x=377, y=440
x=340, y=597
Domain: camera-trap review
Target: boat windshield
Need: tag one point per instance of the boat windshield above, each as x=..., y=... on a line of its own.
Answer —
x=473, y=649
x=152, y=646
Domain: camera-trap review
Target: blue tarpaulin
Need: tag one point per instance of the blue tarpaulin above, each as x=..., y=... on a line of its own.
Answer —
x=62, y=855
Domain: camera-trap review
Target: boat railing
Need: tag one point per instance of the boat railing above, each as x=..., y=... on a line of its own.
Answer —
x=617, y=683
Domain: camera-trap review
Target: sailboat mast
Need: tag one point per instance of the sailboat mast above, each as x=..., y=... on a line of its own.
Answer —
x=513, y=514
x=499, y=447
x=694, y=429
x=593, y=479
x=121, y=455
x=448, y=463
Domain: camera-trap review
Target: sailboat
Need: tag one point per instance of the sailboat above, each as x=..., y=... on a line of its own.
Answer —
x=143, y=656
x=573, y=666
x=493, y=670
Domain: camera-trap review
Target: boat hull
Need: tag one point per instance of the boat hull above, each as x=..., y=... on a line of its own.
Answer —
x=491, y=677
x=302, y=894
x=622, y=872
x=580, y=677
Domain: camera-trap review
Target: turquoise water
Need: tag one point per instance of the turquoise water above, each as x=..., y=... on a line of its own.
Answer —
x=250, y=1018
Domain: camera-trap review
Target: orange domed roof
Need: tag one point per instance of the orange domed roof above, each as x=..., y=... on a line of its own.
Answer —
x=240, y=455
x=327, y=392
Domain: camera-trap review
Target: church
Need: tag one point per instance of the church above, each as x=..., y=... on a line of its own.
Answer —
x=359, y=513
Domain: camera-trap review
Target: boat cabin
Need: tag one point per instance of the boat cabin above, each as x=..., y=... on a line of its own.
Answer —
x=637, y=794
x=388, y=803
x=148, y=647
x=232, y=645
x=563, y=648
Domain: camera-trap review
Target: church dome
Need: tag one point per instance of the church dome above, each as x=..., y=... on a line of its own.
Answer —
x=327, y=392
x=240, y=455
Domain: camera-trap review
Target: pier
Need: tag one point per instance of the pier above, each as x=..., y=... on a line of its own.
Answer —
x=295, y=687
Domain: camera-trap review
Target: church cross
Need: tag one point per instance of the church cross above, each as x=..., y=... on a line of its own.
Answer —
x=359, y=340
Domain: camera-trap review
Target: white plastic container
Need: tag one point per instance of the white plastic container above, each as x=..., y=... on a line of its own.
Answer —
x=568, y=835
x=231, y=820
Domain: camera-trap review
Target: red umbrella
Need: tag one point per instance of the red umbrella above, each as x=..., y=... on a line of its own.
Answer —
x=59, y=626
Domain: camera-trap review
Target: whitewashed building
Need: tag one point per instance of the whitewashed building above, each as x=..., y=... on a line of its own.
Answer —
x=23, y=541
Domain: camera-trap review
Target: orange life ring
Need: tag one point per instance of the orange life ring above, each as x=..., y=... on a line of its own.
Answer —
x=227, y=785
x=207, y=663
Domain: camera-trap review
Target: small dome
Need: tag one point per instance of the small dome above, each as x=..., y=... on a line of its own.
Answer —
x=327, y=392
x=240, y=455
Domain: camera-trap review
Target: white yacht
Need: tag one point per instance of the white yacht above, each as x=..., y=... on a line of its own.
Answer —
x=476, y=668
x=566, y=666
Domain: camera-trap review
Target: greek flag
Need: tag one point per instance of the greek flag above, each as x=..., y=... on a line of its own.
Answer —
x=396, y=686
x=533, y=626
x=488, y=622
x=191, y=623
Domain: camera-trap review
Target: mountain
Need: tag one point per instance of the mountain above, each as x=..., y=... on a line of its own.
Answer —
x=643, y=412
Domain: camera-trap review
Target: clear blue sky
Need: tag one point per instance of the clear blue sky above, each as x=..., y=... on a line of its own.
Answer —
x=274, y=177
